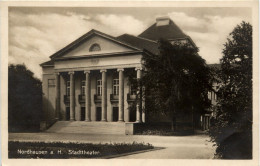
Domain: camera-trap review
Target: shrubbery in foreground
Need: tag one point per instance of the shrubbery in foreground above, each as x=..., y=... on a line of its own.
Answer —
x=71, y=150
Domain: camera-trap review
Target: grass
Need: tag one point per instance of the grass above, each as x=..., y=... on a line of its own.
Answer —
x=62, y=150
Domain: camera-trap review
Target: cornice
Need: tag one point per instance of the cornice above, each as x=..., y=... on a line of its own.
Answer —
x=99, y=55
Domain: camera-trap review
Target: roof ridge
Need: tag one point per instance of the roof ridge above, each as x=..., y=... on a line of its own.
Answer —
x=147, y=29
x=171, y=21
x=146, y=39
x=138, y=37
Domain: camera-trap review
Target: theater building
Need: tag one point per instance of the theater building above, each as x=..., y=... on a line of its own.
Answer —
x=88, y=79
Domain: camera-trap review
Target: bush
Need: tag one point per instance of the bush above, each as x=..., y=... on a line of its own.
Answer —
x=24, y=99
x=71, y=149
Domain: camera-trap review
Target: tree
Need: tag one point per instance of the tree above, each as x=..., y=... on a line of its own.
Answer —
x=176, y=81
x=24, y=99
x=232, y=129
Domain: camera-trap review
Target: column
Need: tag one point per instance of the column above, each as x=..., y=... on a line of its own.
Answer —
x=104, y=95
x=121, y=95
x=143, y=106
x=57, y=110
x=87, y=96
x=72, y=96
x=207, y=122
x=138, y=104
x=202, y=123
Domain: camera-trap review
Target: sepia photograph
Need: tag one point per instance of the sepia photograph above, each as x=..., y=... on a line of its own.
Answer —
x=126, y=82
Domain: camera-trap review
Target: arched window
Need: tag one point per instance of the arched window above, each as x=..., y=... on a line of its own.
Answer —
x=95, y=47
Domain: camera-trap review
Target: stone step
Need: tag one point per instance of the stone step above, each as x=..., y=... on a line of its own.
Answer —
x=88, y=127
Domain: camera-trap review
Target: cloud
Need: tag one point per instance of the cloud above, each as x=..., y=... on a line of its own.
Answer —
x=188, y=22
x=212, y=42
x=209, y=32
x=119, y=24
x=34, y=37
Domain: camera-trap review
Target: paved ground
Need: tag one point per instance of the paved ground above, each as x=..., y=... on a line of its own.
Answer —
x=174, y=147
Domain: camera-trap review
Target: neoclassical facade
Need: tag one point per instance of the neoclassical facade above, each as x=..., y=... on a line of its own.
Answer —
x=88, y=80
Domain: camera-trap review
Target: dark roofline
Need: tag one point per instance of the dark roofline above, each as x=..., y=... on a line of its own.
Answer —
x=146, y=39
x=192, y=41
x=47, y=63
x=141, y=43
x=142, y=38
x=171, y=22
x=75, y=43
x=178, y=27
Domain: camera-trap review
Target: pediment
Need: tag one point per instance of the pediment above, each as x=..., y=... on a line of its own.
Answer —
x=94, y=43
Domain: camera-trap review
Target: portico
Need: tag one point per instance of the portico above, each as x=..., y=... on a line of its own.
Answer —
x=85, y=84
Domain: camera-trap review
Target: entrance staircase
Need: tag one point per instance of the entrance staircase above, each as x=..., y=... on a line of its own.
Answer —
x=87, y=127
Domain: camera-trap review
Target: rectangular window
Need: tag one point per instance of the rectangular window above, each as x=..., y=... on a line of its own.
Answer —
x=68, y=88
x=209, y=95
x=132, y=90
x=215, y=96
x=83, y=86
x=115, y=86
x=99, y=87
x=51, y=82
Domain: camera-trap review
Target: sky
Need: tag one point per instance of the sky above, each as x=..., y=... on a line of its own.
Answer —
x=35, y=33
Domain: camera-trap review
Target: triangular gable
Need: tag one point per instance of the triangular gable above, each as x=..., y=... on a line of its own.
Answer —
x=81, y=46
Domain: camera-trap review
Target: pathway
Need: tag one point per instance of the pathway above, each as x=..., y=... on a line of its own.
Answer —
x=175, y=147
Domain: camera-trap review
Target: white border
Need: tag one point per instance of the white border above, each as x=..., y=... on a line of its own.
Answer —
x=42, y=162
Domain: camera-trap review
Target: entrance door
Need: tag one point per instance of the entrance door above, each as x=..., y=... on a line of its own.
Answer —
x=115, y=114
x=82, y=115
x=98, y=114
x=67, y=113
x=132, y=115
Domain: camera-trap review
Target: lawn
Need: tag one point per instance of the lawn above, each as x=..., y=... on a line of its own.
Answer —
x=64, y=150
